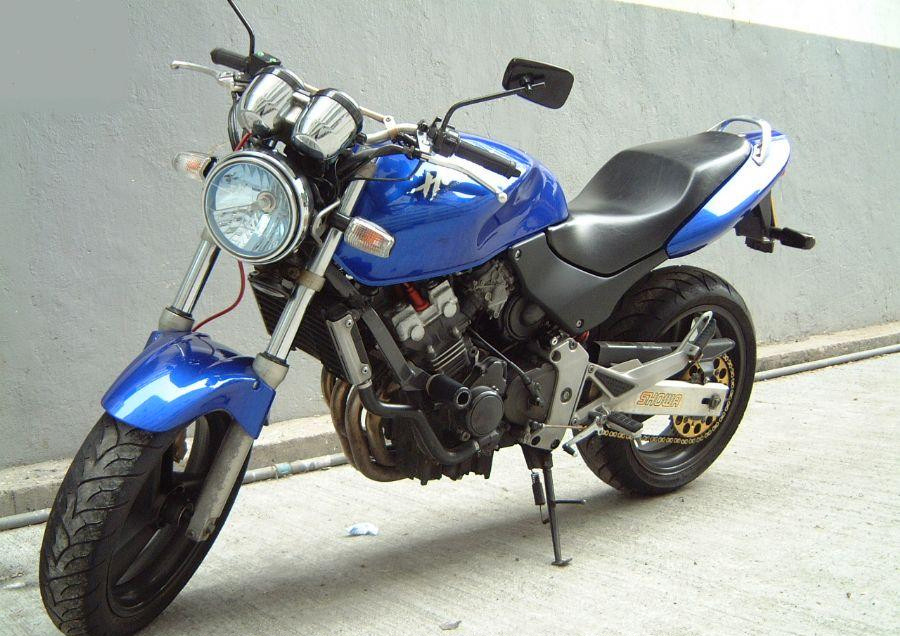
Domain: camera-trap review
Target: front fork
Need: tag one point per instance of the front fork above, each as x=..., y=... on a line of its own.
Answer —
x=178, y=315
x=270, y=365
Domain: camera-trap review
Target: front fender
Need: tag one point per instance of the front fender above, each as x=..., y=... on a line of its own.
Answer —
x=180, y=376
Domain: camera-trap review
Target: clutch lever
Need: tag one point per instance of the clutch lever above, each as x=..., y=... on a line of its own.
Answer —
x=232, y=81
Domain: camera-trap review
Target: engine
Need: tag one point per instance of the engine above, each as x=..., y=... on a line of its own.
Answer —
x=472, y=334
x=443, y=327
x=431, y=331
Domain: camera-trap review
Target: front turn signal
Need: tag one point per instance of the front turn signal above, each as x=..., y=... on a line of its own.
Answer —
x=369, y=237
x=193, y=164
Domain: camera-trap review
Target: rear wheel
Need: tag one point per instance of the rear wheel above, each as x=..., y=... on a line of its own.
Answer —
x=661, y=308
x=115, y=553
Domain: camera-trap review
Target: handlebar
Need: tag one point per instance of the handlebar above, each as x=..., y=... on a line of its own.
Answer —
x=248, y=64
x=224, y=57
x=487, y=159
x=447, y=142
x=444, y=141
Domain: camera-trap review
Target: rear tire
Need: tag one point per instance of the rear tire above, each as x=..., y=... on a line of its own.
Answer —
x=659, y=308
x=95, y=576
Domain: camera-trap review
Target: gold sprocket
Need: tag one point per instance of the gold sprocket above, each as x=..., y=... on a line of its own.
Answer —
x=723, y=373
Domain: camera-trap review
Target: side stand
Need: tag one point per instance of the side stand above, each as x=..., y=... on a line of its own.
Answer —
x=545, y=494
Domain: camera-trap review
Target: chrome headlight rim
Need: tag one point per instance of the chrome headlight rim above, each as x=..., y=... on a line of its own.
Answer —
x=298, y=198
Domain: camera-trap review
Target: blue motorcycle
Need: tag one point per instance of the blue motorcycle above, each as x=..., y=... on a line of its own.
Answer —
x=457, y=302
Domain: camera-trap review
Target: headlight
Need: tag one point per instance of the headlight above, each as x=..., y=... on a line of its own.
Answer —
x=267, y=100
x=329, y=124
x=255, y=208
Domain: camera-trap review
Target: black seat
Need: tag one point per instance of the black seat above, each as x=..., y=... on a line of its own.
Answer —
x=631, y=207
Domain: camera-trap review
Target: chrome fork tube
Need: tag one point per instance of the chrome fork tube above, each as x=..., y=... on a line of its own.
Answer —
x=271, y=364
x=177, y=316
x=271, y=367
x=283, y=335
x=197, y=274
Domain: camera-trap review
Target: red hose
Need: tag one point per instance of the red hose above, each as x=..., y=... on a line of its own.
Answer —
x=240, y=267
x=242, y=141
x=232, y=305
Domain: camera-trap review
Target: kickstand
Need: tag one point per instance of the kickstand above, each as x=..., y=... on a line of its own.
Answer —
x=545, y=494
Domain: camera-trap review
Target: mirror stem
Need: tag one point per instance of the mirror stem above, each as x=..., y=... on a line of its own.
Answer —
x=246, y=26
x=486, y=98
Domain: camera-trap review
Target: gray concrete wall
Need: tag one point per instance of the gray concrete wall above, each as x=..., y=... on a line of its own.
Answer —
x=97, y=229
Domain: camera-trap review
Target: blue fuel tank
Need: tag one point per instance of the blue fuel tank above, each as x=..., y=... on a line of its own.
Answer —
x=443, y=222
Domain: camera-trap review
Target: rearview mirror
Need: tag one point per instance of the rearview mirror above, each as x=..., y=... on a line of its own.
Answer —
x=550, y=84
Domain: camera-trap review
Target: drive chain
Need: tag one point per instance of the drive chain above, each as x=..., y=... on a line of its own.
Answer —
x=684, y=441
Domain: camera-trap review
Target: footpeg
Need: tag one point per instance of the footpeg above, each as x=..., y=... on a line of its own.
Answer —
x=792, y=238
x=618, y=422
x=622, y=423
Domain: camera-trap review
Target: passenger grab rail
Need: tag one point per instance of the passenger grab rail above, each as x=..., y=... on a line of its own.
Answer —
x=761, y=151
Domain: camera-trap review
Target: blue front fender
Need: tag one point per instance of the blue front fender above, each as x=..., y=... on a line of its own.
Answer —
x=180, y=376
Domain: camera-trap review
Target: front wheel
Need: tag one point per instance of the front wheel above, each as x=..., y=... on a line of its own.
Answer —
x=115, y=553
x=662, y=308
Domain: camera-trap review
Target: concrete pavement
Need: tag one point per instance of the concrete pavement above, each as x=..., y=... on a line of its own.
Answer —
x=794, y=530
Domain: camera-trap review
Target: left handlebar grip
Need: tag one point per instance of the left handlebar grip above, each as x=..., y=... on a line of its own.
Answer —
x=224, y=57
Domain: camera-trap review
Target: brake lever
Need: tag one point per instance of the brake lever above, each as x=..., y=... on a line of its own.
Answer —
x=226, y=78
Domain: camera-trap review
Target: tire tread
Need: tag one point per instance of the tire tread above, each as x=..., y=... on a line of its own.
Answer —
x=76, y=525
x=639, y=312
x=94, y=500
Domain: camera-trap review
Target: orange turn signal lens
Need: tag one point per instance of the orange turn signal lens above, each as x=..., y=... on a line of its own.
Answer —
x=369, y=237
x=193, y=164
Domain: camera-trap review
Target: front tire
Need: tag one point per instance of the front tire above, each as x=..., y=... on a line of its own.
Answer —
x=660, y=308
x=114, y=553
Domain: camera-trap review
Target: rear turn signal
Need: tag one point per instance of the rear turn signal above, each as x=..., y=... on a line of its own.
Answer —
x=369, y=238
